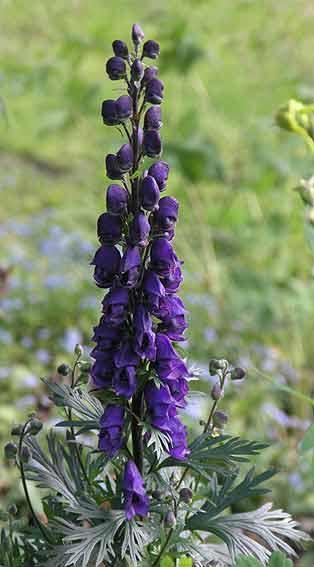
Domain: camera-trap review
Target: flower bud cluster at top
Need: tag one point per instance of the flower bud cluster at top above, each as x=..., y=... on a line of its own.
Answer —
x=142, y=313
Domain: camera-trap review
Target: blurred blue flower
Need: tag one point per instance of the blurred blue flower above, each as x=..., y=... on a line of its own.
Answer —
x=5, y=337
x=26, y=342
x=210, y=334
x=4, y=372
x=43, y=356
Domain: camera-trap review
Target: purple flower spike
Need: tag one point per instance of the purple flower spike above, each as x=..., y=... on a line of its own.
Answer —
x=160, y=171
x=152, y=118
x=151, y=49
x=120, y=48
x=116, y=68
x=149, y=193
x=109, y=228
x=130, y=266
x=136, y=501
x=144, y=339
x=117, y=200
x=137, y=34
x=154, y=91
x=139, y=230
x=111, y=426
x=152, y=143
x=124, y=107
x=109, y=113
x=107, y=264
x=125, y=158
x=124, y=381
x=101, y=374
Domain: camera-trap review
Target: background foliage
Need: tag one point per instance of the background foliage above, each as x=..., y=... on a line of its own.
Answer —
x=227, y=66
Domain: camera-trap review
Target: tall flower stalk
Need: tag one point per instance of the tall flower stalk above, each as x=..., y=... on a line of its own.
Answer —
x=142, y=314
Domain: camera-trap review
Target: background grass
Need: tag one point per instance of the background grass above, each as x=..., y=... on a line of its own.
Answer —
x=227, y=66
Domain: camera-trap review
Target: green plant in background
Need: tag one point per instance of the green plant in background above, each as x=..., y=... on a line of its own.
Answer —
x=146, y=495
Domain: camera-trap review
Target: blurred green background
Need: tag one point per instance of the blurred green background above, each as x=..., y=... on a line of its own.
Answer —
x=227, y=66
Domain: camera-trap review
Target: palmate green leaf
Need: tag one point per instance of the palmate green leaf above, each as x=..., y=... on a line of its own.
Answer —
x=83, y=404
x=58, y=472
x=255, y=533
x=216, y=454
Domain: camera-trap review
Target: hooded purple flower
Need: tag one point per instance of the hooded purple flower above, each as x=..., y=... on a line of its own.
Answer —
x=137, y=70
x=153, y=290
x=169, y=365
x=115, y=306
x=154, y=91
x=160, y=403
x=149, y=193
x=179, y=449
x=167, y=215
x=120, y=48
x=144, y=337
x=149, y=74
x=130, y=267
x=107, y=264
x=125, y=158
x=111, y=427
x=139, y=230
x=172, y=312
x=175, y=278
x=106, y=337
x=116, y=68
x=136, y=501
x=124, y=107
x=160, y=171
x=117, y=200
x=152, y=143
x=151, y=49
x=163, y=258
x=152, y=118
x=102, y=372
x=109, y=113
x=124, y=381
x=112, y=167
x=126, y=356
x=109, y=229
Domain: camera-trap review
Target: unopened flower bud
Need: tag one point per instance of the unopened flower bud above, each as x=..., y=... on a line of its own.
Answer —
x=137, y=70
x=152, y=143
x=78, y=350
x=151, y=49
x=149, y=193
x=17, y=430
x=154, y=91
x=186, y=495
x=34, y=426
x=137, y=34
x=120, y=48
x=63, y=369
x=25, y=454
x=152, y=118
x=124, y=107
x=125, y=158
x=160, y=171
x=10, y=450
x=112, y=168
x=237, y=374
x=220, y=419
x=216, y=364
x=216, y=392
x=117, y=200
x=149, y=74
x=109, y=112
x=170, y=519
x=116, y=68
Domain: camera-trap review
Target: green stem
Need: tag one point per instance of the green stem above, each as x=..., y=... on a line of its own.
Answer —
x=164, y=547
